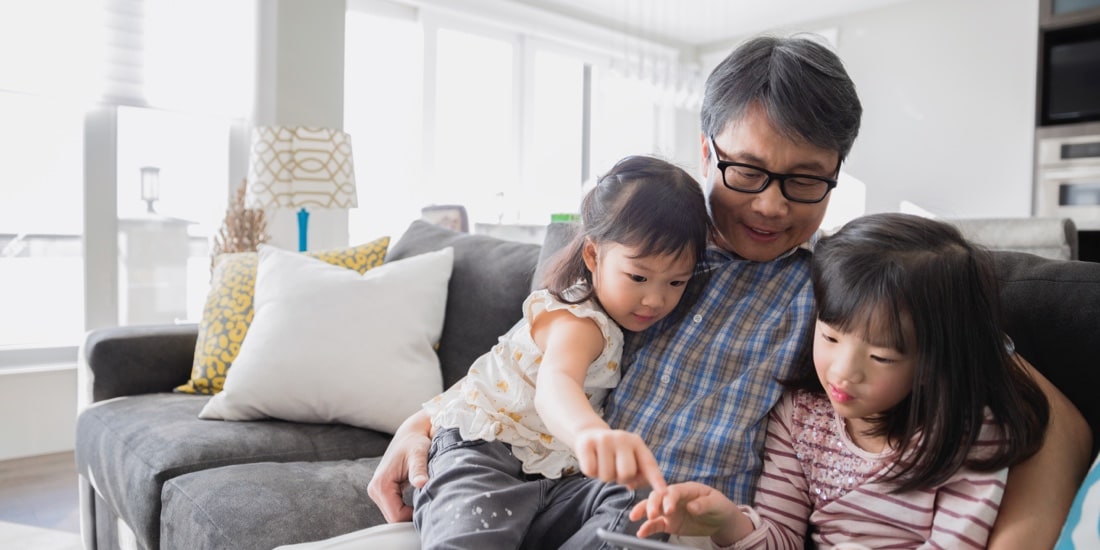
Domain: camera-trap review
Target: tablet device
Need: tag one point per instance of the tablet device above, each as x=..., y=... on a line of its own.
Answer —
x=631, y=542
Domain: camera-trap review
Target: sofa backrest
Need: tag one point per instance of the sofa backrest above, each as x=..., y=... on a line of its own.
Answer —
x=1052, y=313
x=489, y=282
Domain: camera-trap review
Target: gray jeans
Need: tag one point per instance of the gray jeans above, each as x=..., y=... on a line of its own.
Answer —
x=478, y=497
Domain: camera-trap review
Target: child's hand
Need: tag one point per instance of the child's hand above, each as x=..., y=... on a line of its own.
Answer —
x=618, y=456
x=691, y=509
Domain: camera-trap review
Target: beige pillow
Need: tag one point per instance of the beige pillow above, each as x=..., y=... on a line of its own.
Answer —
x=328, y=345
x=228, y=310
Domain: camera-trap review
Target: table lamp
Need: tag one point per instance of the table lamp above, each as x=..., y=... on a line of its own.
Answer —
x=300, y=167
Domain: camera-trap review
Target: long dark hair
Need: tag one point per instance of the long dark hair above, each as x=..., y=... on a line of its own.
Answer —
x=889, y=268
x=643, y=202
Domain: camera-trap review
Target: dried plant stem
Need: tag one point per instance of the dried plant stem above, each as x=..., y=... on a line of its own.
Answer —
x=242, y=230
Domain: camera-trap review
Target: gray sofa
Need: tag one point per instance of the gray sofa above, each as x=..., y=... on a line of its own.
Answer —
x=155, y=476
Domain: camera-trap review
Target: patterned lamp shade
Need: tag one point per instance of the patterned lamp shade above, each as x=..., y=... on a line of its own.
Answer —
x=299, y=166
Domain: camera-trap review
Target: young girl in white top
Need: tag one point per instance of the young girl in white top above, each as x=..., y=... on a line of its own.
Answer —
x=901, y=432
x=528, y=412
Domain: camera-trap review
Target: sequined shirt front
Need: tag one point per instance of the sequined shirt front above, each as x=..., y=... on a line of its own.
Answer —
x=816, y=478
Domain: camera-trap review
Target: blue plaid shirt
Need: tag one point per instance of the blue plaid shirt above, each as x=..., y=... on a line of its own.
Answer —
x=698, y=389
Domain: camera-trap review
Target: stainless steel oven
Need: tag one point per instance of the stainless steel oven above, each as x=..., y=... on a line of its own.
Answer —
x=1069, y=179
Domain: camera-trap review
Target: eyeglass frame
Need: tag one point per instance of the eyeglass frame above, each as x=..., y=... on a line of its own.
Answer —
x=769, y=177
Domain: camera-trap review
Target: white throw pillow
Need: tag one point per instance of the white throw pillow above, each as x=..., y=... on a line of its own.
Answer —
x=328, y=345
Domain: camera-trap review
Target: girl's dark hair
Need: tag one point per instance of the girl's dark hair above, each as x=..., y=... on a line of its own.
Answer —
x=643, y=202
x=889, y=268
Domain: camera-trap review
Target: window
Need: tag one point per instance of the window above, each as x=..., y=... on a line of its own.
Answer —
x=474, y=139
x=555, y=157
x=485, y=114
x=624, y=119
x=164, y=254
x=41, y=213
x=104, y=90
x=384, y=121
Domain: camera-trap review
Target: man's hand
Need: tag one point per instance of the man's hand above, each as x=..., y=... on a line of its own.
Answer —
x=618, y=456
x=406, y=459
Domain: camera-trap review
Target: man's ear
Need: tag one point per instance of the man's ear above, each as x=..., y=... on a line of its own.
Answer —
x=588, y=252
x=705, y=161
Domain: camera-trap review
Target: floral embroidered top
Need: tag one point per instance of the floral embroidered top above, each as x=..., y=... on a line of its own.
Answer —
x=496, y=400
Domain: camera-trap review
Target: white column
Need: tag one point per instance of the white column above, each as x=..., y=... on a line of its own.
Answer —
x=300, y=82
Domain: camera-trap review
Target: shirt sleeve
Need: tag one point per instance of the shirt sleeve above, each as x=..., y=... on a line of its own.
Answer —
x=966, y=505
x=782, y=507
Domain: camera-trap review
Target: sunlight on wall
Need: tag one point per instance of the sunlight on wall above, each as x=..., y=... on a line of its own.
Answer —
x=849, y=201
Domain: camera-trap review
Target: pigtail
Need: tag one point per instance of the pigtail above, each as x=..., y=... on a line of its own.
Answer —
x=566, y=270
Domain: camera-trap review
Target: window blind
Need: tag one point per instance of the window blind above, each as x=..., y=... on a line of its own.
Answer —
x=196, y=56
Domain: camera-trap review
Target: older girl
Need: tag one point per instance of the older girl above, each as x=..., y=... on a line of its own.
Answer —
x=901, y=432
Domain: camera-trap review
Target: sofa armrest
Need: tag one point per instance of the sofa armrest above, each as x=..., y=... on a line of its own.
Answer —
x=134, y=360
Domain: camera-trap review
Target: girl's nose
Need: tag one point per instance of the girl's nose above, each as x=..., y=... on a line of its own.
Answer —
x=845, y=370
x=653, y=299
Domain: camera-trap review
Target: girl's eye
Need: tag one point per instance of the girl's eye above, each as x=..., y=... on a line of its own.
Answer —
x=828, y=338
x=679, y=283
x=881, y=359
x=637, y=278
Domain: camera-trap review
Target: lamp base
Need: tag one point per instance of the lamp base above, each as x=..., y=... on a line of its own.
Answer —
x=303, y=223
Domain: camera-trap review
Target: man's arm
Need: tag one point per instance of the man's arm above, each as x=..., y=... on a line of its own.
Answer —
x=1040, y=490
x=406, y=459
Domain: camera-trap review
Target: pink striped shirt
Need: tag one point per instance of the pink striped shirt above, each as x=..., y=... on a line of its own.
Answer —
x=815, y=475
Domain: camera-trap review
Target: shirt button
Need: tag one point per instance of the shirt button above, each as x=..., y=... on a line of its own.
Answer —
x=665, y=379
x=698, y=318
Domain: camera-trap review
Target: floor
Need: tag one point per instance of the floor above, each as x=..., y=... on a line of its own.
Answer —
x=38, y=503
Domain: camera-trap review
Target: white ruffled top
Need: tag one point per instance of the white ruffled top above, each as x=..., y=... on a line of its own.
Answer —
x=496, y=400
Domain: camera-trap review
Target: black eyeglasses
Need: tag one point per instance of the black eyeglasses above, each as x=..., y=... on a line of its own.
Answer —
x=747, y=178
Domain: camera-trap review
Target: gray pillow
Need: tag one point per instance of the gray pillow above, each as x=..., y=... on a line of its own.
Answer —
x=490, y=280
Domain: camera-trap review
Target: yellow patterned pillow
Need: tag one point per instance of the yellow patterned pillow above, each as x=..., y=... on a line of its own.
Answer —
x=228, y=309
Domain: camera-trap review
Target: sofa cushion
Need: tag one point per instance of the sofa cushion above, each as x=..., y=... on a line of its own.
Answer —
x=129, y=447
x=1052, y=313
x=261, y=506
x=490, y=279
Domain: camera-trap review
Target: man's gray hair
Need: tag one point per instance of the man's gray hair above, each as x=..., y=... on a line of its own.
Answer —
x=801, y=85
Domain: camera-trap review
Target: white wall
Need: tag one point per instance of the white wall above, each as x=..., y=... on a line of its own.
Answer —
x=39, y=411
x=948, y=92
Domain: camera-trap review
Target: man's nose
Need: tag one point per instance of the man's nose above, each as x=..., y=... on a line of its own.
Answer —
x=771, y=202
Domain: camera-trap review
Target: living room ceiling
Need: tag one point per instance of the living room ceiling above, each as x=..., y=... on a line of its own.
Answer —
x=701, y=22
